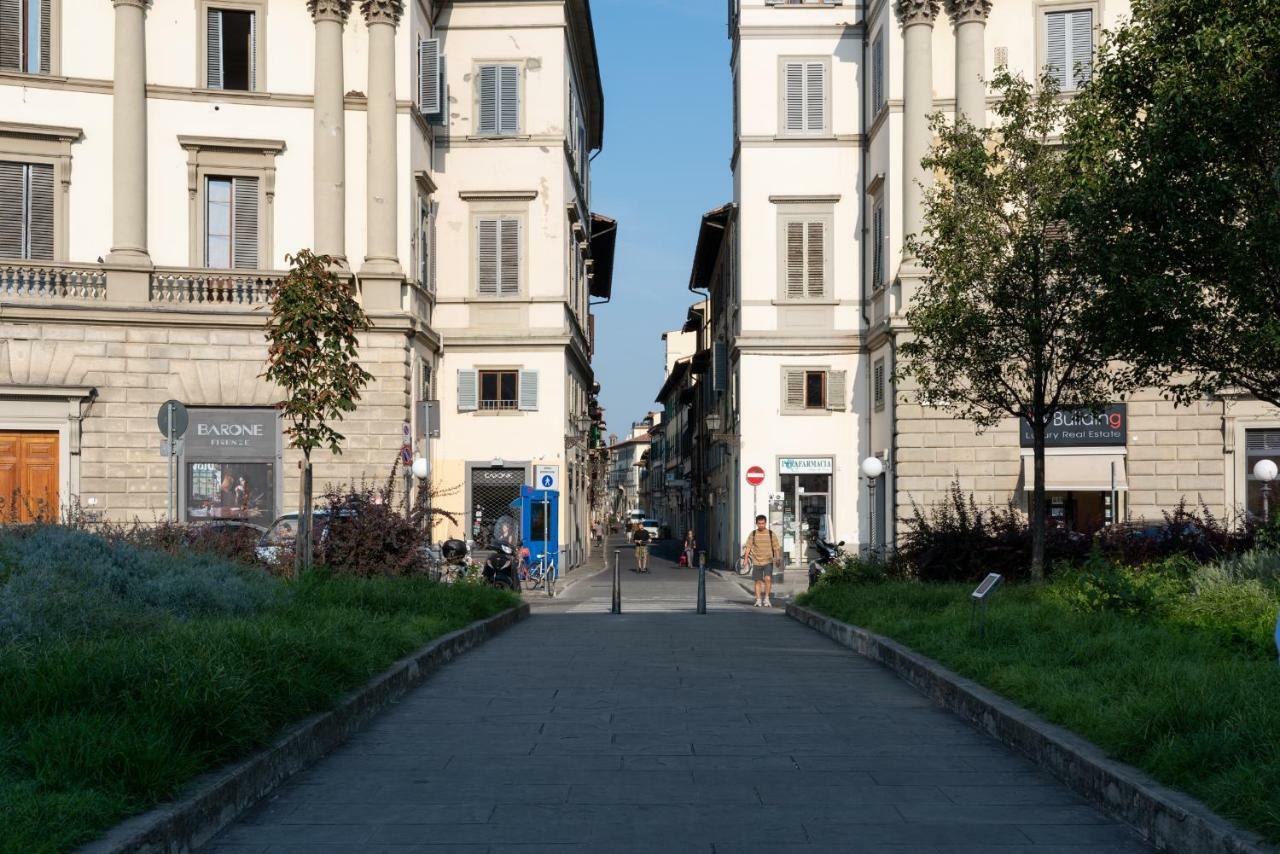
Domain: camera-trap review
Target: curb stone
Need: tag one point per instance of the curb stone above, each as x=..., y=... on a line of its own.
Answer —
x=216, y=799
x=1169, y=820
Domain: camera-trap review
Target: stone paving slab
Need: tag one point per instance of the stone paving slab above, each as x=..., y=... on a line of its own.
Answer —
x=667, y=731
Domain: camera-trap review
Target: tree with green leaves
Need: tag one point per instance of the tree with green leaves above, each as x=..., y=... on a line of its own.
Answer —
x=1177, y=142
x=1005, y=323
x=312, y=350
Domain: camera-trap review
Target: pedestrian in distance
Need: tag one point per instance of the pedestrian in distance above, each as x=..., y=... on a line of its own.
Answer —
x=640, y=539
x=690, y=548
x=764, y=552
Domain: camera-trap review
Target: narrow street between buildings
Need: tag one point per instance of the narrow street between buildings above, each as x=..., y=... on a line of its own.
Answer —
x=664, y=730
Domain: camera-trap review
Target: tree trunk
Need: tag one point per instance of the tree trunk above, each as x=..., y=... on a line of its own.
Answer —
x=302, y=549
x=1037, y=503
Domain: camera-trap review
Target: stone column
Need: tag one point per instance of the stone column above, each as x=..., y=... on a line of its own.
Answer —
x=917, y=18
x=970, y=20
x=129, y=262
x=330, y=202
x=381, y=262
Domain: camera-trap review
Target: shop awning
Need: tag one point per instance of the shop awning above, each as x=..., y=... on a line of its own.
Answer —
x=1076, y=472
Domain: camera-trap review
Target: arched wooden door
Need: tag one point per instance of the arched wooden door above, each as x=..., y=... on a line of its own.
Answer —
x=28, y=476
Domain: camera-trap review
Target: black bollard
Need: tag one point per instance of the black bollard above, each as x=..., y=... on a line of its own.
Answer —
x=617, y=583
x=702, y=583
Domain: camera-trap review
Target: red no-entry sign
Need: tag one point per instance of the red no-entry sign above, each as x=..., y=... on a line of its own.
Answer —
x=755, y=475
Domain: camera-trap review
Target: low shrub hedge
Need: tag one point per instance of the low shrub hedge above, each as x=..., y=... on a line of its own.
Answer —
x=145, y=669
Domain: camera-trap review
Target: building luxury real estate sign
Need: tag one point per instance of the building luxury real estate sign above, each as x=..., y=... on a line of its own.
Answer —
x=1080, y=428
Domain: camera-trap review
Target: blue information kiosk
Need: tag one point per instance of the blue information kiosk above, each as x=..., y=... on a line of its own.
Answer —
x=539, y=513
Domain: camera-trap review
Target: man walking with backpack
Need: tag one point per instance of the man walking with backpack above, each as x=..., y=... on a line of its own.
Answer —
x=641, y=540
x=765, y=552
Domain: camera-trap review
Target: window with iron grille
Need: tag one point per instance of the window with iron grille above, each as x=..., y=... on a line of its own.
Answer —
x=498, y=390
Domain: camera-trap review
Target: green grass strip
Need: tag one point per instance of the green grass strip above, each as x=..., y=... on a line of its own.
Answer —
x=92, y=731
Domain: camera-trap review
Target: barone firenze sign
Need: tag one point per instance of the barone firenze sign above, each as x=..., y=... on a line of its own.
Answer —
x=1080, y=428
x=232, y=434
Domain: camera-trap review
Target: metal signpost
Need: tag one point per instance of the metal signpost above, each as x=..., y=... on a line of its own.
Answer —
x=172, y=419
x=755, y=477
x=702, y=582
x=990, y=583
x=617, y=583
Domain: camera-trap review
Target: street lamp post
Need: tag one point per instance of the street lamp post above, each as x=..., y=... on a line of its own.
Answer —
x=1266, y=471
x=422, y=471
x=872, y=467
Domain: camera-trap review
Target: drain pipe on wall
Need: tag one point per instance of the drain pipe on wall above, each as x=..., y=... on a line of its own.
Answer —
x=865, y=154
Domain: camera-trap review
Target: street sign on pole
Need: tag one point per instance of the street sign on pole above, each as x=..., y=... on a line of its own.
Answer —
x=178, y=426
x=547, y=477
x=755, y=475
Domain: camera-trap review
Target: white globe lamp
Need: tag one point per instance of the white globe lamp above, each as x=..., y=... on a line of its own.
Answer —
x=872, y=467
x=1266, y=470
x=421, y=468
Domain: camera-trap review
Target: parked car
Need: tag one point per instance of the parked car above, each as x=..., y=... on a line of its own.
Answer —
x=652, y=526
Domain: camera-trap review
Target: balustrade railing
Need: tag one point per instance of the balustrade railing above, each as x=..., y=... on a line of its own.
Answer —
x=213, y=287
x=45, y=281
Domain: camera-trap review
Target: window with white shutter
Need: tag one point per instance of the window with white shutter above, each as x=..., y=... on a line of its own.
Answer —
x=804, y=96
x=1069, y=47
x=231, y=226
x=498, y=100
x=837, y=390
x=429, y=81
x=498, y=249
x=528, y=391
x=805, y=255
x=423, y=240
x=27, y=223
x=468, y=393
x=877, y=74
x=26, y=36
x=231, y=49
x=877, y=383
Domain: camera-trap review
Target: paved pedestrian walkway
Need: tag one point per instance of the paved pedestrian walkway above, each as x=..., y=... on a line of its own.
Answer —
x=668, y=731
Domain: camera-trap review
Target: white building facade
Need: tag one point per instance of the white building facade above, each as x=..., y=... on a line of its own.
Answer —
x=159, y=161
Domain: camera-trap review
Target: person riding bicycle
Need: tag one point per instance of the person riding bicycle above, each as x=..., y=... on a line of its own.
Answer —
x=640, y=538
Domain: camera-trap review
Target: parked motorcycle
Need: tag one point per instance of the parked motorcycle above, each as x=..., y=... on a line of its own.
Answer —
x=502, y=569
x=827, y=555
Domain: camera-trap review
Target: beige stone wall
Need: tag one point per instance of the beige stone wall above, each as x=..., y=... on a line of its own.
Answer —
x=135, y=368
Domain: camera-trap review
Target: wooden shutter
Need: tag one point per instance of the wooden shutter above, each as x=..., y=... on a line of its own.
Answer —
x=487, y=257
x=1262, y=440
x=467, y=390
x=836, y=390
x=877, y=384
x=424, y=243
x=509, y=99
x=795, y=260
x=1081, y=42
x=11, y=35
x=528, y=391
x=509, y=259
x=792, y=389
x=13, y=192
x=213, y=47
x=877, y=249
x=40, y=202
x=877, y=73
x=1055, y=55
x=488, y=100
x=793, y=96
x=46, y=35
x=244, y=223
x=815, y=259
x=429, y=77
x=815, y=97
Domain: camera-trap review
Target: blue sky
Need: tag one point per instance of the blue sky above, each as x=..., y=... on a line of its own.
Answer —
x=668, y=120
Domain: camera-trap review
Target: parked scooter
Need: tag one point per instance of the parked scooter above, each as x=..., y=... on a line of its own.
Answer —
x=827, y=554
x=502, y=569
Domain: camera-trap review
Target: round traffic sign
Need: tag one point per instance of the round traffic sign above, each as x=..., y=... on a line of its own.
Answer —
x=755, y=475
x=179, y=419
x=548, y=481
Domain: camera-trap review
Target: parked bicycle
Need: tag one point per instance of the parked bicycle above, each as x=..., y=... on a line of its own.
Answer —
x=541, y=573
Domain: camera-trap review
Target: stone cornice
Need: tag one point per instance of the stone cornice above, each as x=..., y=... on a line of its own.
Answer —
x=969, y=11
x=329, y=10
x=916, y=11
x=141, y=4
x=382, y=11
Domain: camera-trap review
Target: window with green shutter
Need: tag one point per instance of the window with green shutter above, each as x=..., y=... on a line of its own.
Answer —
x=27, y=226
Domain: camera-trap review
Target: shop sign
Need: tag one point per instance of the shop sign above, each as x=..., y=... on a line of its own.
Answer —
x=806, y=465
x=232, y=434
x=1079, y=428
